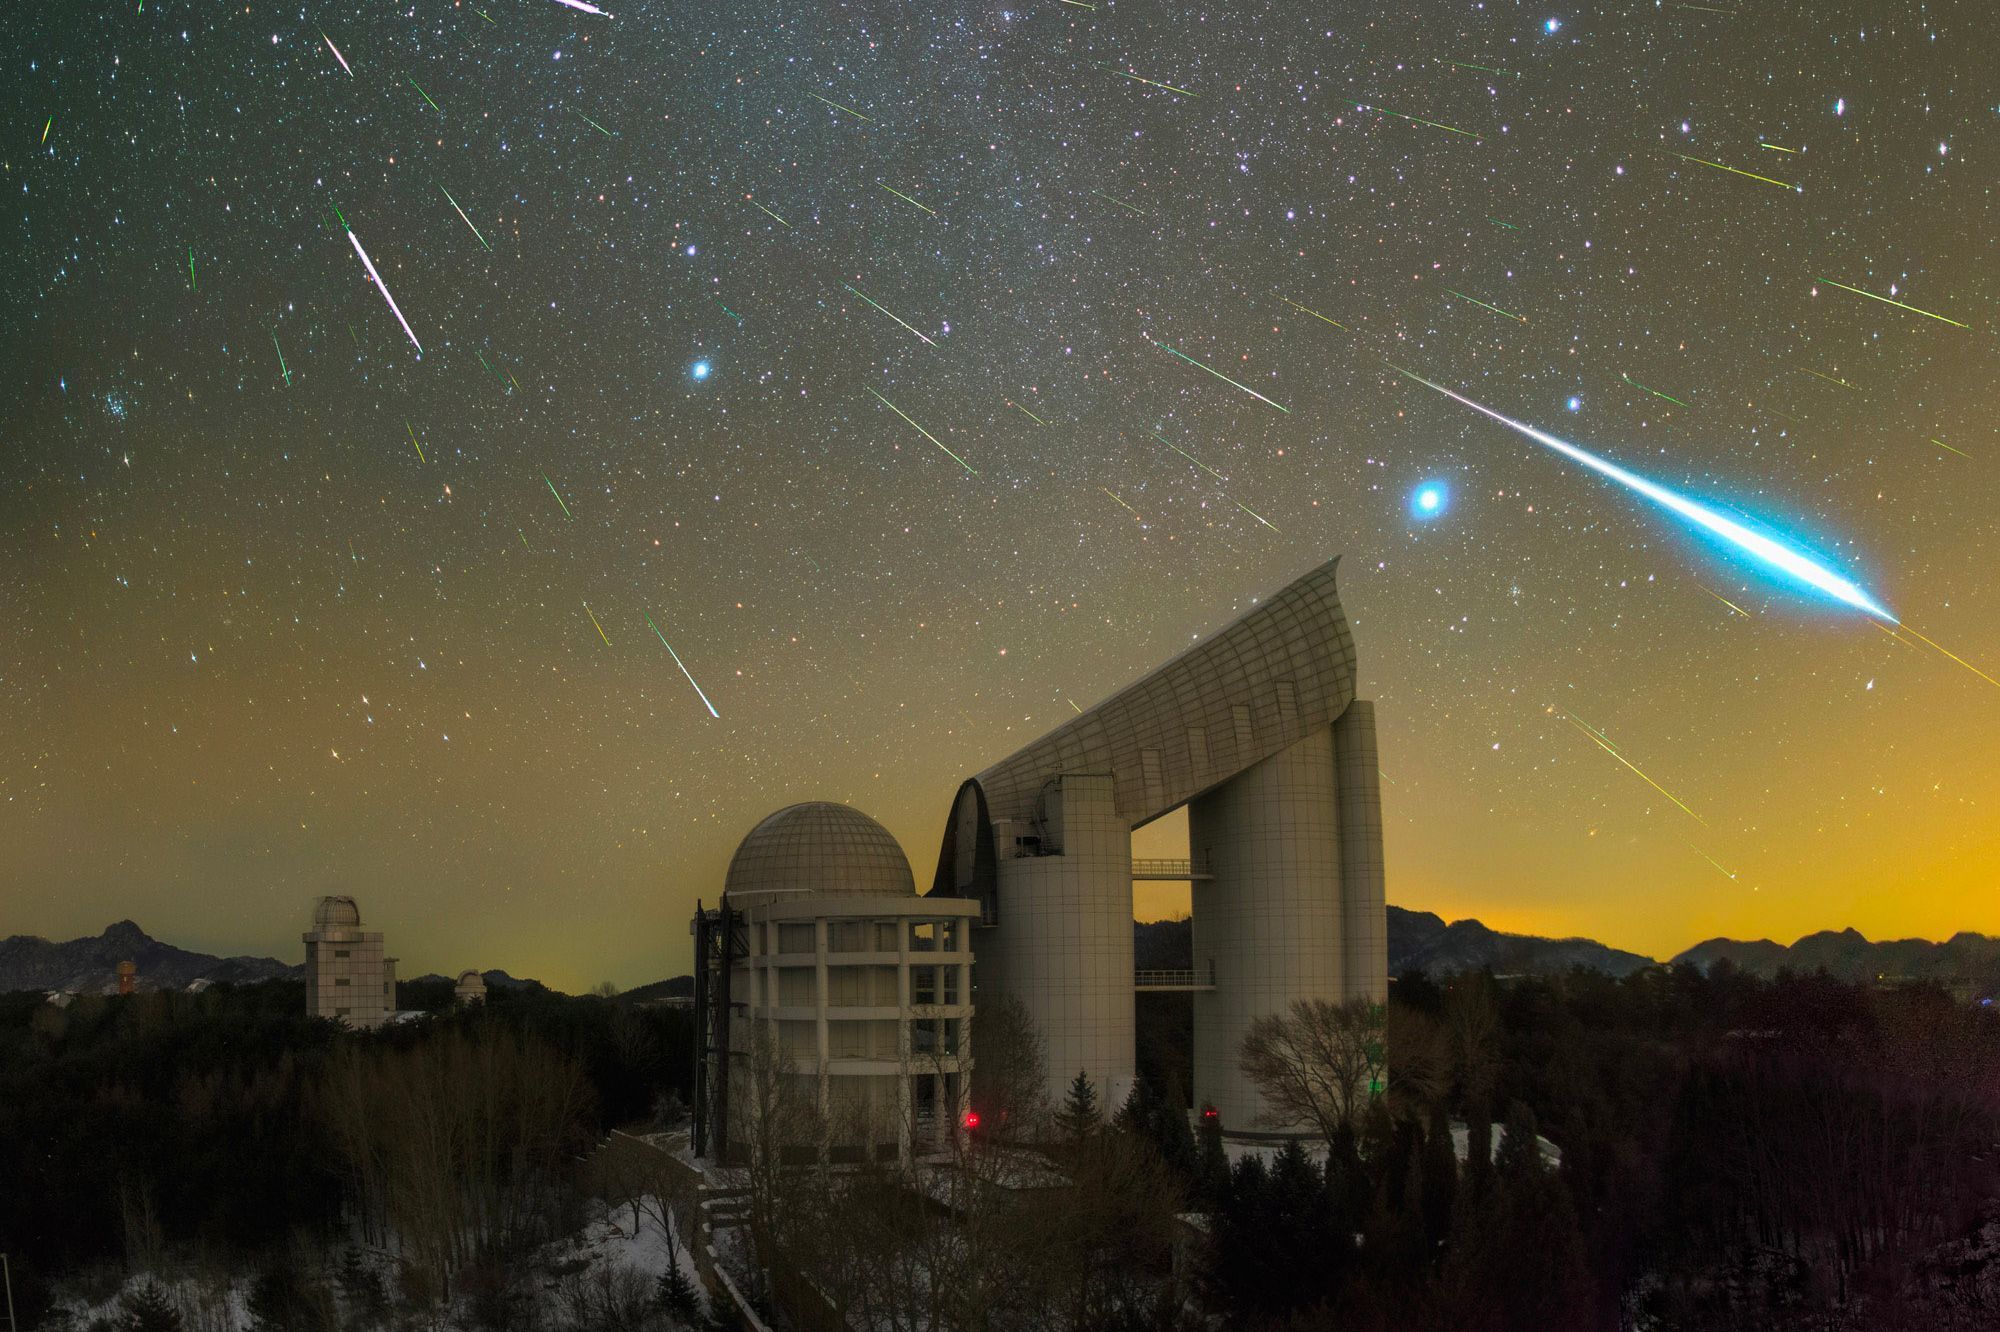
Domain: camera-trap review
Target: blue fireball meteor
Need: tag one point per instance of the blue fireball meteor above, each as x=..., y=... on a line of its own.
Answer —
x=1794, y=564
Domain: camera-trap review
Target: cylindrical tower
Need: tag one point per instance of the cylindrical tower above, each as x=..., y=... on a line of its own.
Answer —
x=1363, y=917
x=1267, y=925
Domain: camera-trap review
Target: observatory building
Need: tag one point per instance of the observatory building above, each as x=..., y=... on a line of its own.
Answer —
x=822, y=972
x=1258, y=734
x=347, y=977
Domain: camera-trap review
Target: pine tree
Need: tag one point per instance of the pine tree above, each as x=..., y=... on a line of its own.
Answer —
x=1079, y=1116
x=1211, y=1172
x=147, y=1310
x=678, y=1297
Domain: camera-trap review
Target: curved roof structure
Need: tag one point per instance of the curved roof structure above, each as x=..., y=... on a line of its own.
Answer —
x=471, y=978
x=819, y=847
x=336, y=913
x=1249, y=691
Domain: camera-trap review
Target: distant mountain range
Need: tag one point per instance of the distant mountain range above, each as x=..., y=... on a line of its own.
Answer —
x=1417, y=940
x=90, y=966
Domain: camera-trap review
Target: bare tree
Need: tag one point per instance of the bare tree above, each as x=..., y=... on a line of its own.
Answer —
x=1316, y=1063
x=1009, y=1088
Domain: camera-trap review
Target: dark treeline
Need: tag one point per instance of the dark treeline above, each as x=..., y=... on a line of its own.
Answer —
x=230, y=1123
x=1733, y=1153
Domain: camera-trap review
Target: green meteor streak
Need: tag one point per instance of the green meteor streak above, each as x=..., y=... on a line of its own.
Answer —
x=768, y=213
x=906, y=198
x=599, y=128
x=1434, y=124
x=1898, y=304
x=281, y=359
x=1484, y=69
x=462, y=216
x=1152, y=82
x=1484, y=306
x=926, y=340
x=191, y=282
x=426, y=96
x=1737, y=171
x=1224, y=378
x=1498, y=223
x=838, y=107
x=925, y=433
x=1189, y=456
x=1120, y=202
x=731, y=313
x=1314, y=313
x=413, y=441
x=1030, y=415
x=558, y=494
x=1254, y=514
x=45, y=129
x=1655, y=392
x=678, y=662
x=1948, y=448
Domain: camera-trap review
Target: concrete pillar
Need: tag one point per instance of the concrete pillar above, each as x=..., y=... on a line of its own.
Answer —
x=1269, y=922
x=1364, y=919
x=1062, y=944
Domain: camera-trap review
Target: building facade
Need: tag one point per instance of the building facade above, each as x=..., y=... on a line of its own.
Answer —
x=1257, y=732
x=348, y=978
x=823, y=982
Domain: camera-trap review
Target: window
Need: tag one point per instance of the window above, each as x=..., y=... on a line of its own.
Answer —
x=923, y=1037
x=340, y=1012
x=948, y=932
x=885, y=936
x=796, y=938
x=923, y=936
x=950, y=985
x=340, y=952
x=924, y=984
x=342, y=980
x=795, y=987
x=949, y=1044
x=846, y=936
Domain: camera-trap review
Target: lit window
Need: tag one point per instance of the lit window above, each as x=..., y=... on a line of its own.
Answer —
x=923, y=936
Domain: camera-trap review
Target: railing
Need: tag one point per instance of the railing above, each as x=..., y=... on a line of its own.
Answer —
x=1175, y=978
x=1170, y=869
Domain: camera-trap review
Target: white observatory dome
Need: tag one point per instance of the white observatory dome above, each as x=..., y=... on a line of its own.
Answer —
x=819, y=847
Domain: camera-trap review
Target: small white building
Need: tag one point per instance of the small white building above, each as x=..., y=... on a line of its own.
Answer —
x=347, y=976
x=470, y=989
x=824, y=963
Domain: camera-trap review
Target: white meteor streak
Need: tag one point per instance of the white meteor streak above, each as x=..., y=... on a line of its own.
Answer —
x=578, y=4
x=370, y=265
x=683, y=665
x=1773, y=553
x=336, y=54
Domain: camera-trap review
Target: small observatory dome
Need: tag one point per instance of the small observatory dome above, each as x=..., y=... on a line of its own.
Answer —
x=336, y=913
x=819, y=847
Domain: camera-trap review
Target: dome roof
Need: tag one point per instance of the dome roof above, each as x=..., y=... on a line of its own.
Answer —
x=336, y=913
x=819, y=847
x=471, y=978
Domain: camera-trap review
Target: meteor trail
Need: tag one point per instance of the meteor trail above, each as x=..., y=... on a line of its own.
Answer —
x=838, y=107
x=1737, y=171
x=1948, y=448
x=426, y=96
x=369, y=264
x=336, y=52
x=1434, y=124
x=1254, y=514
x=1314, y=313
x=463, y=217
x=1727, y=602
x=1224, y=378
x=1120, y=202
x=1898, y=304
x=1030, y=415
x=191, y=282
x=599, y=128
x=678, y=662
x=413, y=442
x=925, y=433
x=1773, y=554
x=588, y=9
x=1655, y=392
x=45, y=128
x=558, y=494
x=857, y=293
x=1509, y=314
x=593, y=619
x=768, y=213
x=1121, y=503
x=1153, y=82
x=907, y=199
x=1190, y=457
x=1597, y=739
x=281, y=359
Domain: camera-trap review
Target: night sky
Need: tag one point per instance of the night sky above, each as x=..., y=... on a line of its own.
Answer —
x=734, y=283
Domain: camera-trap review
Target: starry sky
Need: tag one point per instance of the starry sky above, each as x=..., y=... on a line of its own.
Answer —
x=921, y=372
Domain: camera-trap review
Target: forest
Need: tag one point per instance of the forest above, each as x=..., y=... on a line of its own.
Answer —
x=1668, y=1150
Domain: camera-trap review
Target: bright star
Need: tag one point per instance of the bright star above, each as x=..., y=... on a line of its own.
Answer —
x=1429, y=499
x=1553, y=25
x=699, y=370
x=1576, y=404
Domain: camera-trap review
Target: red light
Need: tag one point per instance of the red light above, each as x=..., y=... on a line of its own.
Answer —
x=972, y=1119
x=1210, y=1112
